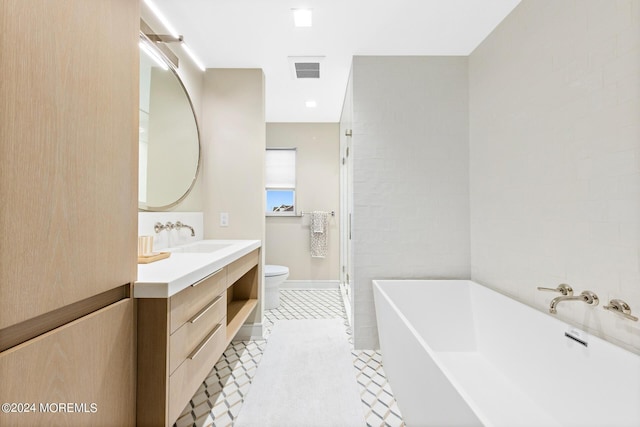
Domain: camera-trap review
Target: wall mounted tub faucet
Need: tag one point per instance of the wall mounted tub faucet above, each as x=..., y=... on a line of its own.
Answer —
x=180, y=225
x=563, y=288
x=622, y=308
x=586, y=296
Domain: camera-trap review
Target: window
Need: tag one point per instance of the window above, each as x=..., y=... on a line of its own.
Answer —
x=280, y=181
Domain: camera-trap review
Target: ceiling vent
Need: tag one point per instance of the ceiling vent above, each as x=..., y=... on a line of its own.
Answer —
x=307, y=70
x=305, y=67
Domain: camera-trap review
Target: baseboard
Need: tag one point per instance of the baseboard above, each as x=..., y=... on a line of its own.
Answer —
x=250, y=332
x=310, y=284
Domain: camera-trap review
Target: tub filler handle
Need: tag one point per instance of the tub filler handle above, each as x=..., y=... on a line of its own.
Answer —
x=563, y=288
x=622, y=308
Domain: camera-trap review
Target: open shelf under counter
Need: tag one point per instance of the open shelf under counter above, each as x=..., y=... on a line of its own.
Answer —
x=242, y=292
x=237, y=313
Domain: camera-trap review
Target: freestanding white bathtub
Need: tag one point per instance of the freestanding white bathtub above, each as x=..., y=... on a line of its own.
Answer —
x=459, y=354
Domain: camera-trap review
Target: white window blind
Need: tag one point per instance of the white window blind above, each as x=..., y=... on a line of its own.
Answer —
x=280, y=168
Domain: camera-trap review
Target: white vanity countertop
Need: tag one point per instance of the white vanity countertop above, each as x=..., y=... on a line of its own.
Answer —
x=167, y=277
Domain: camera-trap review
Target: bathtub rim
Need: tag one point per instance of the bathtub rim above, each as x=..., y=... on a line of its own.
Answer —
x=596, y=342
x=592, y=336
x=377, y=283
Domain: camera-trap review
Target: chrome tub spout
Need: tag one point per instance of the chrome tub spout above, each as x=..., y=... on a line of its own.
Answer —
x=586, y=296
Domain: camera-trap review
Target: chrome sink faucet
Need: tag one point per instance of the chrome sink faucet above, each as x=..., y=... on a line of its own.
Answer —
x=586, y=296
x=180, y=225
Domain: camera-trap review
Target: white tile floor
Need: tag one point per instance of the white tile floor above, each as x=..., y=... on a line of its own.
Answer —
x=219, y=399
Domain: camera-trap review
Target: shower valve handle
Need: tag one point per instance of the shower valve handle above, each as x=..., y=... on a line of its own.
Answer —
x=564, y=289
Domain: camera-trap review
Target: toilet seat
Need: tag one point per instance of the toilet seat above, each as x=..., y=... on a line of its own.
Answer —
x=275, y=270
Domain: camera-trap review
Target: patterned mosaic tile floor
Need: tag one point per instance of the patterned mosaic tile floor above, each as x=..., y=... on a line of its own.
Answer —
x=219, y=399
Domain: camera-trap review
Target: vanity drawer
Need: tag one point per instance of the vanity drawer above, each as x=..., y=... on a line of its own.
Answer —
x=184, y=382
x=188, y=302
x=89, y=361
x=184, y=340
x=238, y=268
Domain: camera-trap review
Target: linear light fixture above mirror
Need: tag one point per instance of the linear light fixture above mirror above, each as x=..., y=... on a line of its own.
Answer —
x=153, y=54
x=154, y=42
x=175, y=36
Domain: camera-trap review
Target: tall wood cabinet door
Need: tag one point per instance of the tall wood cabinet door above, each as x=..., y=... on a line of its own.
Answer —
x=68, y=152
x=81, y=374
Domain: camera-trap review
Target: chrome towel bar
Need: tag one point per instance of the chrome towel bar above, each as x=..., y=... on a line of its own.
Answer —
x=303, y=213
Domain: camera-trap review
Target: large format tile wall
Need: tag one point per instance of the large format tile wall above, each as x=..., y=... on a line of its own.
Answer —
x=411, y=179
x=555, y=158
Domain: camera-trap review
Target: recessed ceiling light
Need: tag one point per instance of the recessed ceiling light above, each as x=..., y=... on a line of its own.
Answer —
x=311, y=104
x=302, y=17
x=193, y=56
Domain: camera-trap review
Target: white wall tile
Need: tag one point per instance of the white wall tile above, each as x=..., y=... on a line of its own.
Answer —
x=554, y=158
x=411, y=179
x=169, y=238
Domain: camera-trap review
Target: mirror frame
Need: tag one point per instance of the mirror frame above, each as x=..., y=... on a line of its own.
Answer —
x=174, y=69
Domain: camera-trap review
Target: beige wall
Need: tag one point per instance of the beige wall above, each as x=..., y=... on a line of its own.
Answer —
x=555, y=143
x=317, y=188
x=233, y=137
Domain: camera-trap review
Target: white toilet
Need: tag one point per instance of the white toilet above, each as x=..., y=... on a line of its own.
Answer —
x=274, y=275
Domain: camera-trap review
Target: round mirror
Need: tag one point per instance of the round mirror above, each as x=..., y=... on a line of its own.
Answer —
x=169, y=138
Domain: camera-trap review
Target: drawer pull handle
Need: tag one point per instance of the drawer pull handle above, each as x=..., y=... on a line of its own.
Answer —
x=198, y=349
x=208, y=307
x=207, y=277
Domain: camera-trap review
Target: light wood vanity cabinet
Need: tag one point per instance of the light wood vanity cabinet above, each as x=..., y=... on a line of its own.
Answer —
x=180, y=338
x=89, y=363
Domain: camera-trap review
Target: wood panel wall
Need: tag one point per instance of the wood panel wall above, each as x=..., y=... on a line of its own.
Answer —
x=68, y=208
x=68, y=152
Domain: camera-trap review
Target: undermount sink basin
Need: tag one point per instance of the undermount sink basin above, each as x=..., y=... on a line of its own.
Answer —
x=201, y=247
